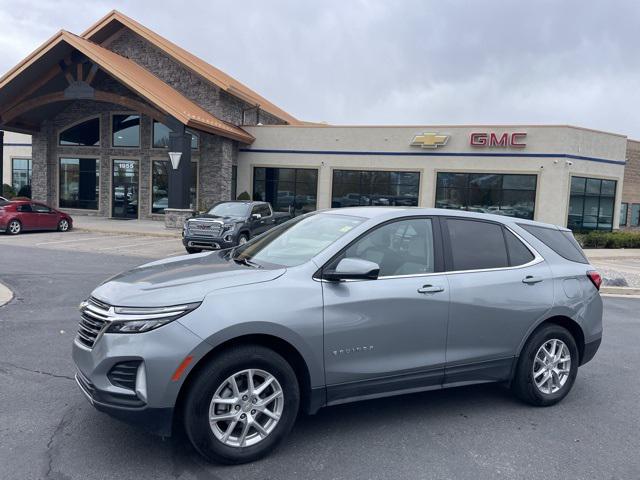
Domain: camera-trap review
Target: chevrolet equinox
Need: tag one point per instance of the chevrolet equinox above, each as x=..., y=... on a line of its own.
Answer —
x=337, y=306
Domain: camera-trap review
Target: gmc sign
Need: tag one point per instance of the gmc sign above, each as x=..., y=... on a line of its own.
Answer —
x=504, y=140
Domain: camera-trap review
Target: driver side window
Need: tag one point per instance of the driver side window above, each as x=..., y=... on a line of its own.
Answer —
x=404, y=247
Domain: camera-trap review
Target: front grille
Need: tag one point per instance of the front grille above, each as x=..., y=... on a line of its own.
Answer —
x=204, y=229
x=94, y=316
x=123, y=374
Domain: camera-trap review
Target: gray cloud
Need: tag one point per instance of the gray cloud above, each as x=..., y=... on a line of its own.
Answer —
x=400, y=62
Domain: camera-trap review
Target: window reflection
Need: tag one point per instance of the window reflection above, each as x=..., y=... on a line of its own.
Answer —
x=353, y=188
x=591, y=204
x=290, y=190
x=79, y=183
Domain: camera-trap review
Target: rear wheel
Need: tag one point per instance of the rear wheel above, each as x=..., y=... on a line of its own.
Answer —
x=242, y=405
x=193, y=250
x=14, y=227
x=547, y=367
x=63, y=225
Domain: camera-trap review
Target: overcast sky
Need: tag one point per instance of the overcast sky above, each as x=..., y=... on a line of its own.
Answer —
x=393, y=62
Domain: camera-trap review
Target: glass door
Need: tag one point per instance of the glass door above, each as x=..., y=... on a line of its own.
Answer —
x=125, y=189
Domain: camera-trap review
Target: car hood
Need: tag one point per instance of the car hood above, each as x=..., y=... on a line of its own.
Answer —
x=206, y=216
x=177, y=280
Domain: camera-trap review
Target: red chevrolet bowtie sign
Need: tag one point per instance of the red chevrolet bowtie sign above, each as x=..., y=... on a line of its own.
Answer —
x=504, y=140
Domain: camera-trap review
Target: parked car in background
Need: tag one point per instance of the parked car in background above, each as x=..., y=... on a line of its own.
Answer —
x=228, y=224
x=332, y=307
x=17, y=216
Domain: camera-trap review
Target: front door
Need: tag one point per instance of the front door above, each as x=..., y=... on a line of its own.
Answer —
x=388, y=334
x=124, y=191
x=46, y=218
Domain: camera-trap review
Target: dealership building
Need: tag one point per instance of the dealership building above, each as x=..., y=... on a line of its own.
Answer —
x=125, y=124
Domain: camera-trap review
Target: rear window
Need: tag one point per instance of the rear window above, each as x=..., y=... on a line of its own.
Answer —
x=476, y=245
x=561, y=242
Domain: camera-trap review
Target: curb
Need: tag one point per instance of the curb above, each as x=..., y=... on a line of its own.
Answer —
x=5, y=295
x=620, y=290
x=177, y=234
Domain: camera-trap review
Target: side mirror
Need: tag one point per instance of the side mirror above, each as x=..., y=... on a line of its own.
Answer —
x=256, y=216
x=353, y=269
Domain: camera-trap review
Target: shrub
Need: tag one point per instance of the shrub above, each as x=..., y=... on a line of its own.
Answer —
x=8, y=191
x=25, y=191
x=244, y=196
x=622, y=239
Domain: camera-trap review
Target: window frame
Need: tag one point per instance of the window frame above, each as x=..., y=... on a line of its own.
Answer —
x=448, y=253
x=84, y=156
x=295, y=168
x=583, y=195
x=160, y=149
x=631, y=224
x=195, y=161
x=360, y=171
x=29, y=169
x=438, y=253
x=624, y=222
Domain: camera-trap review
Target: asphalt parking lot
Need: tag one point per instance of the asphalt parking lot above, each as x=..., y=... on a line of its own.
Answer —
x=49, y=431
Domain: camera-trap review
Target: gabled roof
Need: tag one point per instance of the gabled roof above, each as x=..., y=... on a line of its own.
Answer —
x=190, y=61
x=140, y=81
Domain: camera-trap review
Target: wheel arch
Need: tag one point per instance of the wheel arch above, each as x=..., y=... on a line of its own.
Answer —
x=289, y=352
x=570, y=324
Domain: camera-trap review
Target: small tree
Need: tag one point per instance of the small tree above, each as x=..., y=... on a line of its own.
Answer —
x=8, y=191
x=244, y=196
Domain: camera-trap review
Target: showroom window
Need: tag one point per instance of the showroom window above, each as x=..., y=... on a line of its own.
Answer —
x=161, y=136
x=291, y=190
x=79, y=183
x=21, y=176
x=503, y=194
x=85, y=134
x=353, y=188
x=635, y=214
x=160, y=185
x=591, y=204
x=624, y=210
x=126, y=130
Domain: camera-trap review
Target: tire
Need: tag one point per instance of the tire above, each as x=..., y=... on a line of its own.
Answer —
x=63, y=225
x=213, y=379
x=193, y=250
x=14, y=227
x=243, y=238
x=554, y=389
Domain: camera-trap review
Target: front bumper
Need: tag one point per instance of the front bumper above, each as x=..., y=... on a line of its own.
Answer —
x=151, y=401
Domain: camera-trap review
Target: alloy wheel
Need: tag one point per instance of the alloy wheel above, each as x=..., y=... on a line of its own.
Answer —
x=242, y=240
x=246, y=408
x=551, y=366
x=63, y=225
x=14, y=227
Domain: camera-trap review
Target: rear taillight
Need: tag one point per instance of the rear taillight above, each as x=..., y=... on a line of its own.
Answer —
x=595, y=278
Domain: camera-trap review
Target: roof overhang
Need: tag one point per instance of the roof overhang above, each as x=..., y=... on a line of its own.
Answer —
x=43, y=63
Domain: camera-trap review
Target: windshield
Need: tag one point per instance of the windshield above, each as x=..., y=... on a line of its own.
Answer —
x=229, y=209
x=296, y=241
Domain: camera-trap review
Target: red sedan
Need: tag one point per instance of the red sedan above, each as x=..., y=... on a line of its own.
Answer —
x=21, y=215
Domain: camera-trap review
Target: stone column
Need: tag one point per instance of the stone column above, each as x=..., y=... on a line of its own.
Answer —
x=40, y=165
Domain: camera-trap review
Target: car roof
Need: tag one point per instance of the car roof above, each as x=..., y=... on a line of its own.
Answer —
x=392, y=212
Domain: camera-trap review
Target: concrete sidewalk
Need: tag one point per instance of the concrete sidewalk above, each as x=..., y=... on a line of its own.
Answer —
x=151, y=228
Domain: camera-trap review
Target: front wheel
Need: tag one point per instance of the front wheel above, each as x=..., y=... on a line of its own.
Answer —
x=14, y=227
x=63, y=225
x=547, y=367
x=243, y=238
x=242, y=405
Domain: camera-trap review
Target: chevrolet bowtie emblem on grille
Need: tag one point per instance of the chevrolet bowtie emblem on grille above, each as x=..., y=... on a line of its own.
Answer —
x=429, y=140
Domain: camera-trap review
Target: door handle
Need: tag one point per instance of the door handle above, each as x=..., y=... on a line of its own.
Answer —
x=430, y=289
x=530, y=280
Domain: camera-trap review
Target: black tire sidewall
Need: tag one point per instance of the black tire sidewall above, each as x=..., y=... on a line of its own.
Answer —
x=196, y=414
x=524, y=384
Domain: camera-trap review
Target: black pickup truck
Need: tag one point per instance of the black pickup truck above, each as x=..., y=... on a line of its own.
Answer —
x=228, y=224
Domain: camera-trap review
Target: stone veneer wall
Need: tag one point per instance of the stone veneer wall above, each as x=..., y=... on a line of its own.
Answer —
x=631, y=187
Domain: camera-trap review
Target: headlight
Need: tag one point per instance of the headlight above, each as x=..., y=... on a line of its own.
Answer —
x=228, y=227
x=143, y=319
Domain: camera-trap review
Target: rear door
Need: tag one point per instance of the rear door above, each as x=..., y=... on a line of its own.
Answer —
x=27, y=217
x=499, y=288
x=388, y=334
x=46, y=218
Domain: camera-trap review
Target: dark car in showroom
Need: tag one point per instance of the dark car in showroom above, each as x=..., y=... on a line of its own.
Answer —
x=228, y=224
x=17, y=216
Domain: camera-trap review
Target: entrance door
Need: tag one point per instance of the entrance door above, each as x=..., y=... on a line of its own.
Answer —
x=124, y=192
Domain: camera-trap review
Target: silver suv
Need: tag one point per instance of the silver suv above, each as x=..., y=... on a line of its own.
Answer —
x=332, y=307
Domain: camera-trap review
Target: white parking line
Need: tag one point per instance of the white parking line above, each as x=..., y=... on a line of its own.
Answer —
x=68, y=241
